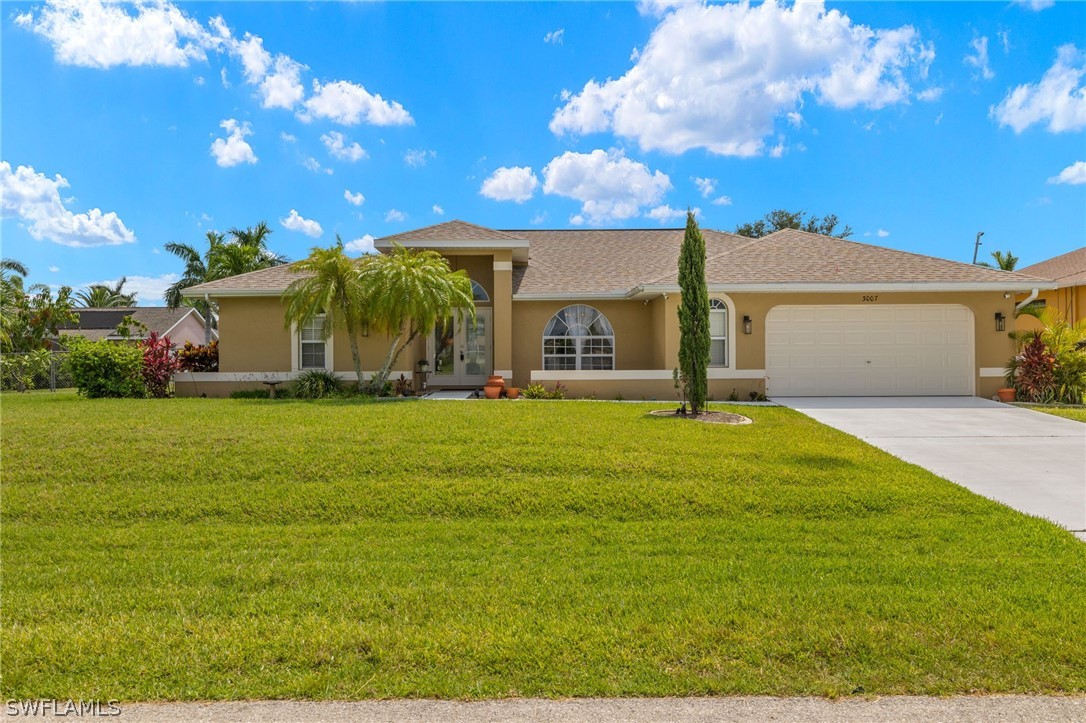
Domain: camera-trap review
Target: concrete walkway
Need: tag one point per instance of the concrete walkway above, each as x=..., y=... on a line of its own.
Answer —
x=1031, y=461
x=981, y=709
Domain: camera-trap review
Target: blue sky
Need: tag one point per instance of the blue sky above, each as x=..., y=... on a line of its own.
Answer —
x=918, y=124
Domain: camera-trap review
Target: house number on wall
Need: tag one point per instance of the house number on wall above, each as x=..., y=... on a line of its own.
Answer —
x=870, y=298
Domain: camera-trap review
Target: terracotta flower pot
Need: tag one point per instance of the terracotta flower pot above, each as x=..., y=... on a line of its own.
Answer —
x=1006, y=394
x=492, y=391
x=496, y=380
x=512, y=392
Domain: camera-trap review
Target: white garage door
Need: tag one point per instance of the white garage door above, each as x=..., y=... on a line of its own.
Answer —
x=869, y=350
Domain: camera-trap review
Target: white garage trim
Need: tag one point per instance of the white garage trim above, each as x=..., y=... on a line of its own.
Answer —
x=870, y=350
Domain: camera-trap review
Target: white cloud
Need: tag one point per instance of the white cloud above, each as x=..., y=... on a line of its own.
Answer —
x=438, y=210
x=706, y=186
x=54, y=269
x=510, y=183
x=882, y=233
x=149, y=290
x=294, y=222
x=225, y=79
x=395, y=216
x=722, y=201
x=348, y=104
x=255, y=61
x=1036, y=5
x=930, y=95
x=314, y=165
x=608, y=185
x=363, y=245
x=1059, y=99
x=1005, y=41
x=339, y=146
x=35, y=199
x=979, y=58
x=555, y=37
x=666, y=213
x=718, y=77
x=233, y=149
x=287, y=137
x=1073, y=175
x=417, y=157
x=283, y=88
x=93, y=34
x=539, y=218
x=355, y=199
x=198, y=80
x=795, y=118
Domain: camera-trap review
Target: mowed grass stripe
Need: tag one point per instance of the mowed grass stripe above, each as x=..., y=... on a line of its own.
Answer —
x=206, y=549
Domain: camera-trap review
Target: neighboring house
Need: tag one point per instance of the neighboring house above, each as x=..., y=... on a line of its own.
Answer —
x=1068, y=299
x=792, y=313
x=181, y=325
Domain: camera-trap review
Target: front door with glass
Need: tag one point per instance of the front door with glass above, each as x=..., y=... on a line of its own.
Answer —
x=460, y=349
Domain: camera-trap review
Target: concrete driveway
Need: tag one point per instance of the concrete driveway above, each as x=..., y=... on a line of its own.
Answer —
x=1027, y=460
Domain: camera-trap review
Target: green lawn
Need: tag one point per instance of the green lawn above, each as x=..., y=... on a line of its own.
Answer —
x=1076, y=413
x=210, y=549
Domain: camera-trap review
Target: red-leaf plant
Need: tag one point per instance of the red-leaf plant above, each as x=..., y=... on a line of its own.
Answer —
x=1034, y=372
x=159, y=364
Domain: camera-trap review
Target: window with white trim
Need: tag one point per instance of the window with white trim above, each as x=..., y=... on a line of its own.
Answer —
x=578, y=337
x=718, y=333
x=478, y=293
x=313, y=344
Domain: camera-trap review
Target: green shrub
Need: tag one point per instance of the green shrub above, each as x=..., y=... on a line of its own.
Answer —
x=21, y=371
x=1051, y=364
x=316, y=384
x=107, y=369
x=538, y=391
x=249, y=394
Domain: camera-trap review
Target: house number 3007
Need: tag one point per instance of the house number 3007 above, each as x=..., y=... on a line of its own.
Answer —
x=870, y=298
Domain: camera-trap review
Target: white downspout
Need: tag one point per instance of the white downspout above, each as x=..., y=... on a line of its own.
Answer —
x=1032, y=295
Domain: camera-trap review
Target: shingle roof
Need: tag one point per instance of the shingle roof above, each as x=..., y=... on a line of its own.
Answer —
x=604, y=260
x=271, y=281
x=100, y=323
x=455, y=230
x=790, y=256
x=615, y=261
x=1068, y=269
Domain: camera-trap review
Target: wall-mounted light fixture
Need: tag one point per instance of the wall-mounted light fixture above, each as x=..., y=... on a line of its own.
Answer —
x=747, y=325
x=1001, y=321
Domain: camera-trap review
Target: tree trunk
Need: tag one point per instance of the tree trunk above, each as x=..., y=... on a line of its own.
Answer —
x=355, y=356
x=394, y=351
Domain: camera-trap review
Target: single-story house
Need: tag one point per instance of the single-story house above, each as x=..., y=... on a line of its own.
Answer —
x=1068, y=299
x=181, y=324
x=792, y=313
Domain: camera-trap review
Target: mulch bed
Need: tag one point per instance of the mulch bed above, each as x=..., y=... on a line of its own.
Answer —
x=707, y=417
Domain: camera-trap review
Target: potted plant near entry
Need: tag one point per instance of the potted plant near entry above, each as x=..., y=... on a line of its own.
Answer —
x=494, y=386
x=1006, y=394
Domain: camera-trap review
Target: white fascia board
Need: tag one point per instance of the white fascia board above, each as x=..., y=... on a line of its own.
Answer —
x=878, y=287
x=569, y=297
x=192, y=310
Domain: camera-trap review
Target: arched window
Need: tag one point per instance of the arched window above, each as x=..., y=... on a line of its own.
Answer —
x=718, y=333
x=478, y=293
x=578, y=337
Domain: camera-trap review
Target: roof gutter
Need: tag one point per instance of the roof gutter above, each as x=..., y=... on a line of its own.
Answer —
x=1032, y=295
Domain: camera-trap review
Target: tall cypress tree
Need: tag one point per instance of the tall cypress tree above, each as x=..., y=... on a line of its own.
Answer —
x=694, y=338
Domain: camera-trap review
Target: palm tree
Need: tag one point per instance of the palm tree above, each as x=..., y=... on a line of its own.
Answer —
x=1003, y=261
x=11, y=296
x=104, y=296
x=407, y=293
x=246, y=251
x=331, y=287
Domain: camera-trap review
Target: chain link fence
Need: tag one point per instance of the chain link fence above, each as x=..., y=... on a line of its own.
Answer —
x=24, y=371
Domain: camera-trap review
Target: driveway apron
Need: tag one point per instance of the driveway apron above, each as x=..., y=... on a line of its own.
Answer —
x=1030, y=461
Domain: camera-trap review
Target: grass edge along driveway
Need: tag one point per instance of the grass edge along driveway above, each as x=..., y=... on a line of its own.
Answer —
x=195, y=549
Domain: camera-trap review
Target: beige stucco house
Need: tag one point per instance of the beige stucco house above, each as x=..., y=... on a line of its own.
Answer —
x=1068, y=299
x=793, y=313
